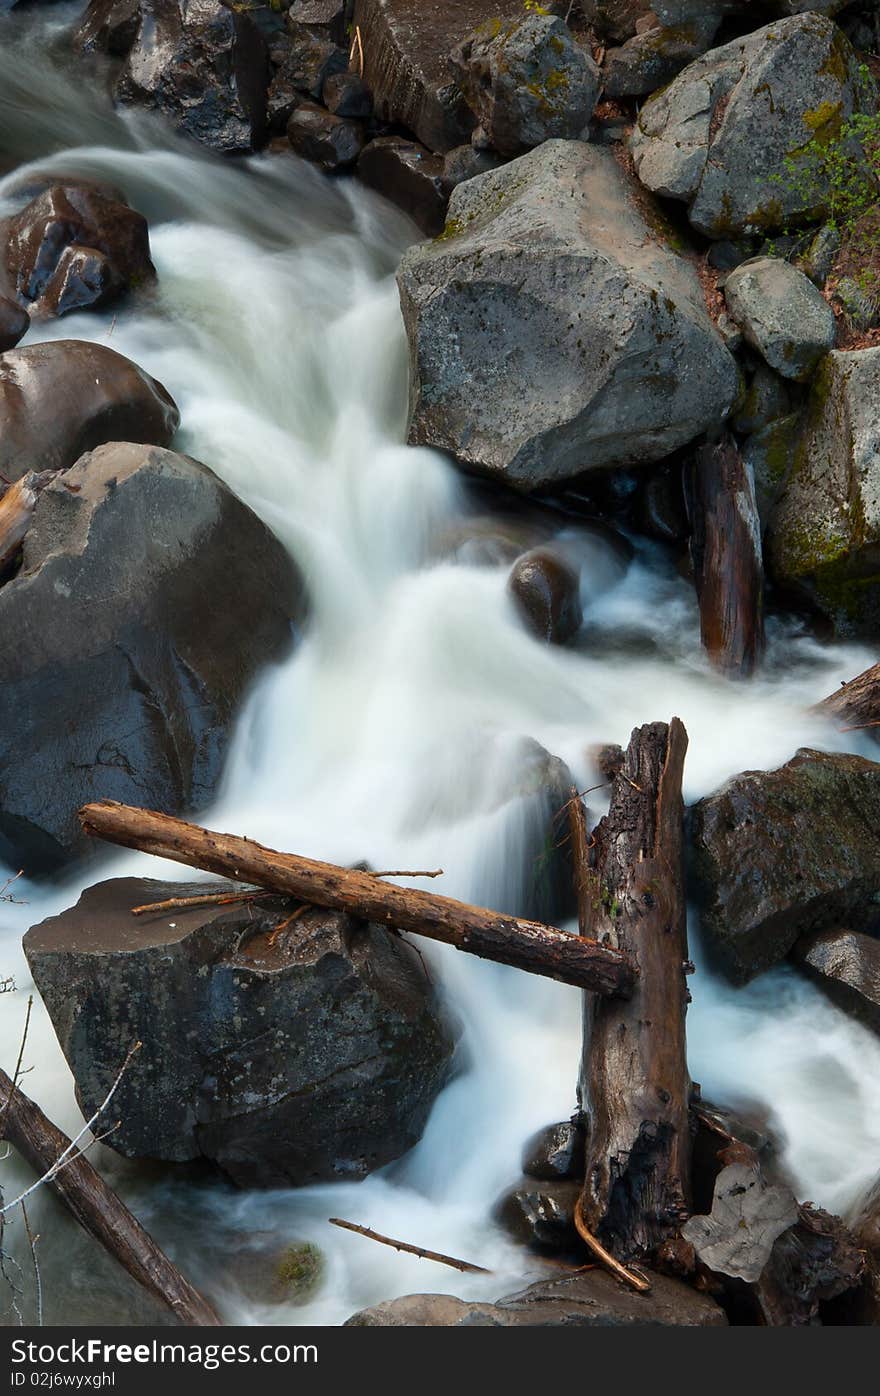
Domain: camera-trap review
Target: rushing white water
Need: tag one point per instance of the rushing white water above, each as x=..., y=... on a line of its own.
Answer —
x=392, y=732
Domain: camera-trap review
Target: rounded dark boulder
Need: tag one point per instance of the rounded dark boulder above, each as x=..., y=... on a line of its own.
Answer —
x=541, y=1214
x=14, y=324
x=546, y=592
x=556, y=1152
x=58, y=400
x=313, y=1056
x=148, y=599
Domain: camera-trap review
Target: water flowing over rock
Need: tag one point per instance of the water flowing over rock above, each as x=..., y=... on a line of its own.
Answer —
x=74, y=246
x=720, y=136
x=589, y=1299
x=205, y=67
x=781, y=314
x=148, y=599
x=526, y=81
x=60, y=399
x=823, y=535
x=552, y=330
x=780, y=854
x=314, y=1057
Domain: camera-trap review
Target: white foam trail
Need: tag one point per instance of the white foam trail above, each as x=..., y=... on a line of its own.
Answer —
x=391, y=734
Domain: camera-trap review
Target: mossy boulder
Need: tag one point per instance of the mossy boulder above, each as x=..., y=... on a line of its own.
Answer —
x=653, y=57
x=552, y=327
x=781, y=314
x=723, y=135
x=823, y=538
x=785, y=853
x=526, y=81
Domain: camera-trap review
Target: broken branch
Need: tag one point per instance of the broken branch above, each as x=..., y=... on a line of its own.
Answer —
x=464, y=1265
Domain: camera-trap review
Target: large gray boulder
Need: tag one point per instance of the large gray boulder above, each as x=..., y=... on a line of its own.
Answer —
x=823, y=533
x=58, y=400
x=314, y=1057
x=781, y=314
x=553, y=329
x=526, y=81
x=720, y=137
x=588, y=1299
x=148, y=599
x=781, y=854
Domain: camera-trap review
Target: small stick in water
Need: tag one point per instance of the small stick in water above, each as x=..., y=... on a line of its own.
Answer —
x=463, y=1265
x=630, y=1277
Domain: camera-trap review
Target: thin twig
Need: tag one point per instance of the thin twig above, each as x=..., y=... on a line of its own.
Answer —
x=630, y=1277
x=282, y=925
x=463, y=1265
x=205, y=899
x=437, y=872
x=16, y=1075
x=357, y=43
x=68, y=1154
x=38, y=1283
x=4, y=890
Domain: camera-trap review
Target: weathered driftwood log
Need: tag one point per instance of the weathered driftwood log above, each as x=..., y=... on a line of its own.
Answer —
x=16, y=511
x=97, y=1208
x=727, y=558
x=509, y=940
x=856, y=704
x=634, y=1078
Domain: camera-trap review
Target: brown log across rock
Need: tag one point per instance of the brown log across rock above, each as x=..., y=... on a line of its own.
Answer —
x=726, y=553
x=856, y=705
x=492, y=935
x=97, y=1208
x=634, y=1078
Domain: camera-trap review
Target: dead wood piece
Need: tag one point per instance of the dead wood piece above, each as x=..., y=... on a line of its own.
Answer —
x=855, y=705
x=634, y=1079
x=727, y=558
x=464, y=1265
x=629, y=1277
x=510, y=940
x=16, y=511
x=97, y=1208
x=747, y=1216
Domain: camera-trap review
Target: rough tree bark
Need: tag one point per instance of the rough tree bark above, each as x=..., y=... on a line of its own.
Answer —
x=509, y=940
x=97, y=1208
x=727, y=558
x=634, y=1079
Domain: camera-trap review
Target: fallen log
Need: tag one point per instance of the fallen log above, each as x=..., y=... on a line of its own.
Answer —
x=97, y=1208
x=634, y=1080
x=16, y=511
x=855, y=705
x=509, y=940
x=727, y=558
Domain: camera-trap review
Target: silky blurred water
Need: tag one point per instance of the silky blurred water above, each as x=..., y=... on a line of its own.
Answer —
x=396, y=731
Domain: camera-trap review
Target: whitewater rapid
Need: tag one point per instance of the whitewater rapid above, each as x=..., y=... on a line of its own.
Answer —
x=393, y=731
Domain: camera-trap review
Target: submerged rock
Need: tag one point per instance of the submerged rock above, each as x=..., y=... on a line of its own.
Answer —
x=526, y=81
x=316, y=1057
x=781, y=314
x=589, y=1299
x=846, y=964
x=73, y=247
x=148, y=599
x=553, y=330
x=546, y=592
x=781, y=854
x=60, y=399
x=823, y=536
x=720, y=136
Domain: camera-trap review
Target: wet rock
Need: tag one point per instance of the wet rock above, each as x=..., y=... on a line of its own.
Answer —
x=541, y=1214
x=58, y=400
x=661, y=509
x=718, y=137
x=556, y=1152
x=407, y=44
x=781, y=314
x=781, y=854
x=109, y=26
x=526, y=81
x=204, y=67
x=14, y=324
x=546, y=591
x=75, y=246
x=653, y=57
x=148, y=600
x=409, y=176
x=823, y=536
x=770, y=454
x=552, y=330
x=591, y=1299
x=345, y=94
x=327, y=140
x=846, y=964
x=265, y=1273
x=314, y=1058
